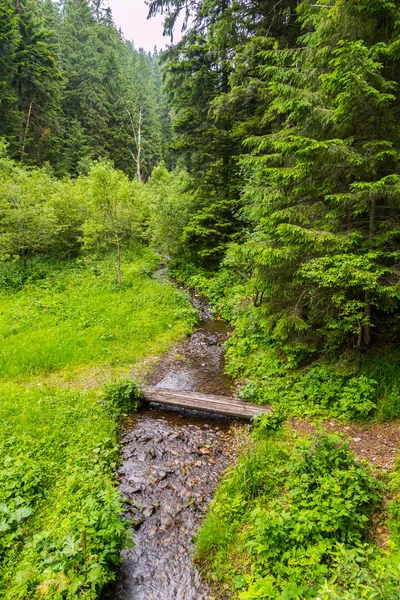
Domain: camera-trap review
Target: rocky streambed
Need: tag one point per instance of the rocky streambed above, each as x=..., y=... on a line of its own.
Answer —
x=171, y=463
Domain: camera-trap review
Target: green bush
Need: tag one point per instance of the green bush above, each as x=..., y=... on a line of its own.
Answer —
x=390, y=406
x=122, y=396
x=13, y=276
x=282, y=540
x=22, y=487
x=61, y=526
x=318, y=391
x=361, y=572
x=267, y=424
x=327, y=500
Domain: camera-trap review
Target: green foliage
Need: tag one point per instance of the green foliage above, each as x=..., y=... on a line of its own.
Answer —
x=169, y=205
x=42, y=216
x=121, y=397
x=317, y=391
x=308, y=514
x=383, y=366
x=362, y=573
x=72, y=89
x=349, y=386
x=321, y=186
x=61, y=527
x=74, y=317
x=21, y=489
x=61, y=524
x=112, y=211
x=28, y=223
x=217, y=100
x=30, y=82
x=267, y=424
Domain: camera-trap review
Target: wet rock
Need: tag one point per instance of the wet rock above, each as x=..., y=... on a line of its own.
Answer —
x=147, y=512
x=205, y=451
x=136, y=522
x=172, y=490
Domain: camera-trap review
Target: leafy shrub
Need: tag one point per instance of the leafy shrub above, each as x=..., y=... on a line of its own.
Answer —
x=122, y=396
x=312, y=501
x=319, y=391
x=358, y=398
x=80, y=555
x=61, y=525
x=257, y=474
x=267, y=424
x=394, y=506
x=328, y=500
x=390, y=405
x=22, y=487
x=361, y=572
x=13, y=276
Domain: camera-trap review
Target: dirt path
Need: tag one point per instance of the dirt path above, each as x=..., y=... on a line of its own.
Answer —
x=378, y=443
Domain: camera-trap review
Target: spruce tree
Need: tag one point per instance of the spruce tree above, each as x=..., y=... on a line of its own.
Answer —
x=210, y=77
x=9, y=40
x=323, y=190
x=30, y=82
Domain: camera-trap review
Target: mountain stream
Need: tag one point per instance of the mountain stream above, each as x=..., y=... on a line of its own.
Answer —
x=171, y=463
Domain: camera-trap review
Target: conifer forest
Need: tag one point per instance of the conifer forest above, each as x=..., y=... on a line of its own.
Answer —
x=253, y=163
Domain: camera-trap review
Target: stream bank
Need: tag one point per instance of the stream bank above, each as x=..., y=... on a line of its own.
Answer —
x=171, y=464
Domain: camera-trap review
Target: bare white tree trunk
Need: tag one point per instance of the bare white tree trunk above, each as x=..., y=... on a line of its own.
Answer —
x=137, y=135
x=139, y=145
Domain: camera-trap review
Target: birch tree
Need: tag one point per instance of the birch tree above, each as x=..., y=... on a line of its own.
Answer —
x=112, y=221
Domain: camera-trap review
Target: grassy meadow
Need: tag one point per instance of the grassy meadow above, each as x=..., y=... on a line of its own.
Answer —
x=75, y=316
x=65, y=330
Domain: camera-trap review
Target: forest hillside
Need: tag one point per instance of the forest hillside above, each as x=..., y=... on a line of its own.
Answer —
x=258, y=160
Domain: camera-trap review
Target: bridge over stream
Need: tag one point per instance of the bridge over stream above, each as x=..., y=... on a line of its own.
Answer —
x=209, y=403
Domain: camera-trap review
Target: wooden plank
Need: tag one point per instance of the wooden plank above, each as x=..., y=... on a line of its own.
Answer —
x=221, y=405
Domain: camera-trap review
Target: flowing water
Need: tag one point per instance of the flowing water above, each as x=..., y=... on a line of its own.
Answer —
x=170, y=469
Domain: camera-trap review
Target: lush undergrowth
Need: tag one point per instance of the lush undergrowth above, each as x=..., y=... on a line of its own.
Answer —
x=294, y=519
x=347, y=384
x=60, y=511
x=61, y=529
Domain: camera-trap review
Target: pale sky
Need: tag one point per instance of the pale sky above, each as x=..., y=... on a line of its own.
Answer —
x=131, y=17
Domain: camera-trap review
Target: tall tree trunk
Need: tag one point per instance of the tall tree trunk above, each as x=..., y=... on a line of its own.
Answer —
x=27, y=127
x=139, y=146
x=137, y=137
x=367, y=310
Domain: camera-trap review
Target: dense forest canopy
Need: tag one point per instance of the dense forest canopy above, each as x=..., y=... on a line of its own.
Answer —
x=74, y=90
x=287, y=115
x=284, y=116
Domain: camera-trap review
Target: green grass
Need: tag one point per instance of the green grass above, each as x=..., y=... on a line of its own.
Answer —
x=383, y=365
x=61, y=530
x=78, y=316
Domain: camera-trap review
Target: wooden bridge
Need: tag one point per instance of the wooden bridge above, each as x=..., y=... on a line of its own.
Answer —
x=220, y=405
